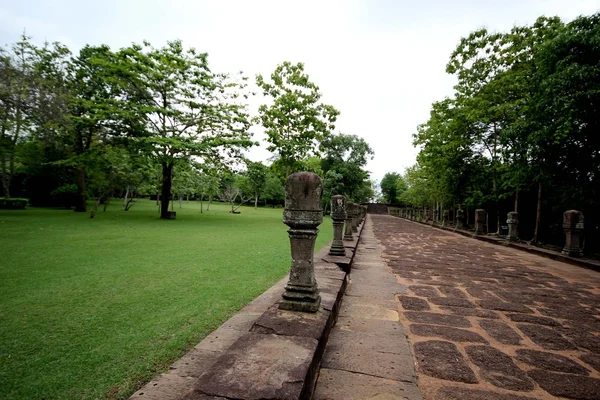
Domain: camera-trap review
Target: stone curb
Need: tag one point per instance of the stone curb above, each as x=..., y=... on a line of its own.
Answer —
x=554, y=255
x=261, y=352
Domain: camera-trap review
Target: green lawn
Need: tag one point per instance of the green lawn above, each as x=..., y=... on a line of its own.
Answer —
x=93, y=308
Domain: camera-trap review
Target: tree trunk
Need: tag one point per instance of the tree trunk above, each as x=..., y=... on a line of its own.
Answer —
x=125, y=199
x=167, y=175
x=255, y=200
x=80, y=206
x=517, y=201
x=180, y=201
x=209, y=200
x=538, y=215
x=157, y=198
x=5, y=180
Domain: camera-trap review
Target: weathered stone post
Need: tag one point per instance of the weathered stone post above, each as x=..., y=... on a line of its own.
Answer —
x=303, y=214
x=573, y=227
x=512, y=220
x=338, y=215
x=348, y=223
x=355, y=217
x=480, y=215
x=461, y=219
x=445, y=216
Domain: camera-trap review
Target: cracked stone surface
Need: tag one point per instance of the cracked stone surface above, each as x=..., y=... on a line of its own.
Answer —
x=539, y=317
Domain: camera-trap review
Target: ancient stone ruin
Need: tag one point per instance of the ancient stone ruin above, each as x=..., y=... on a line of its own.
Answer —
x=303, y=214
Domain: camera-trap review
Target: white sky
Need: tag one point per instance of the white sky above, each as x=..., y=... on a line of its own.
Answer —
x=381, y=63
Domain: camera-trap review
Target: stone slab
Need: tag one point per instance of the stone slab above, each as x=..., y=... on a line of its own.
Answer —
x=499, y=369
x=569, y=386
x=446, y=332
x=368, y=354
x=165, y=387
x=442, y=360
x=337, y=384
x=551, y=362
x=290, y=323
x=463, y=393
x=260, y=366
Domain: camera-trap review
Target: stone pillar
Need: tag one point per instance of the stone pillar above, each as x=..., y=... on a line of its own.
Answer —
x=480, y=215
x=460, y=219
x=445, y=216
x=348, y=222
x=512, y=220
x=338, y=215
x=303, y=214
x=573, y=227
x=355, y=217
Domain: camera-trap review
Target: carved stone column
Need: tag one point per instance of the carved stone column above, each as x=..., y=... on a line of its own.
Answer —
x=348, y=223
x=480, y=215
x=512, y=220
x=573, y=227
x=303, y=214
x=355, y=217
x=338, y=215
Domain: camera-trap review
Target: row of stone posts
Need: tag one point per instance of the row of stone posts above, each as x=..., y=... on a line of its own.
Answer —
x=303, y=214
x=572, y=225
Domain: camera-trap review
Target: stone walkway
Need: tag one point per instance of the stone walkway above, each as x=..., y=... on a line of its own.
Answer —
x=483, y=321
x=368, y=355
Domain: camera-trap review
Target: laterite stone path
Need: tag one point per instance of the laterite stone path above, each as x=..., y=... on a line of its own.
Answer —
x=489, y=322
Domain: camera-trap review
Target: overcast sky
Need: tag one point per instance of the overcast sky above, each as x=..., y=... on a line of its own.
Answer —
x=380, y=62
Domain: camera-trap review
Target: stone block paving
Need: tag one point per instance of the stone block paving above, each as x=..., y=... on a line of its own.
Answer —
x=489, y=322
x=368, y=355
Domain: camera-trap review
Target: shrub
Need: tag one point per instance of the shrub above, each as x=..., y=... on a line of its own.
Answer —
x=12, y=204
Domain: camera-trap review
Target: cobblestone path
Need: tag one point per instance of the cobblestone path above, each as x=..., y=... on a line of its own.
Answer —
x=493, y=323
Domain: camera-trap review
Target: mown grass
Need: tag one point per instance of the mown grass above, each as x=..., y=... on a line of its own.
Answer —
x=93, y=308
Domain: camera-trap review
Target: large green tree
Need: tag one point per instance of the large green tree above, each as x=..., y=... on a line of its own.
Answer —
x=187, y=110
x=296, y=120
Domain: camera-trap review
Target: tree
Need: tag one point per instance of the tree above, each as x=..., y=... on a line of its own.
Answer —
x=389, y=186
x=257, y=178
x=16, y=92
x=296, y=121
x=346, y=156
x=188, y=111
x=274, y=190
x=184, y=180
x=236, y=188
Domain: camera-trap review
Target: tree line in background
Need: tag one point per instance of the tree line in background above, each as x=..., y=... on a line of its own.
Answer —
x=139, y=121
x=521, y=132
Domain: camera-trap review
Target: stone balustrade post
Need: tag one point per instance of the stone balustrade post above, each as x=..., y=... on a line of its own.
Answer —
x=573, y=227
x=338, y=215
x=480, y=216
x=512, y=220
x=303, y=214
x=355, y=218
x=460, y=219
x=348, y=222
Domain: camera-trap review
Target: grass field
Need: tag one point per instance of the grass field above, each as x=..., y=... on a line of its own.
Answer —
x=93, y=308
